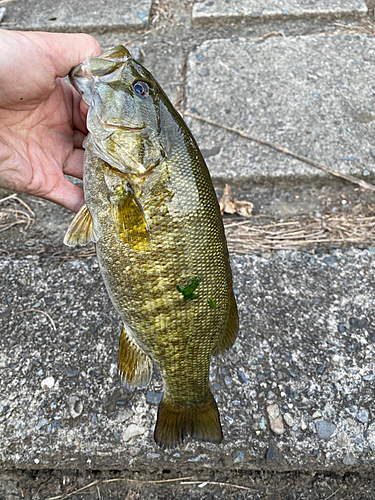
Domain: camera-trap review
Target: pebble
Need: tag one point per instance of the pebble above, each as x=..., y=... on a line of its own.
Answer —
x=324, y=429
x=228, y=382
x=75, y=406
x=276, y=421
x=242, y=377
x=154, y=397
x=132, y=431
x=239, y=457
x=124, y=415
x=316, y=414
x=362, y=416
x=349, y=459
x=43, y=422
x=229, y=419
x=71, y=373
x=47, y=383
x=288, y=419
x=274, y=455
x=321, y=368
x=263, y=424
x=303, y=425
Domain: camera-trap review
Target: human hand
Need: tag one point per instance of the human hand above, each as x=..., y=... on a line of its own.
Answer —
x=42, y=118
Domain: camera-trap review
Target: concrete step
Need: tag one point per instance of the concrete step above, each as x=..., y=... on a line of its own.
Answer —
x=307, y=337
x=306, y=344
x=311, y=94
x=220, y=10
x=70, y=15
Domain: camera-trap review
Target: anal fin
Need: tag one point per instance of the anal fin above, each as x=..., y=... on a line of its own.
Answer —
x=81, y=230
x=134, y=365
x=229, y=334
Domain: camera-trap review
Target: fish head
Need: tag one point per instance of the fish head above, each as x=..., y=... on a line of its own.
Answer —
x=124, y=111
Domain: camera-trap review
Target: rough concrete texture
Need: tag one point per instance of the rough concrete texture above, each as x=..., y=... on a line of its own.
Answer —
x=296, y=392
x=213, y=10
x=312, y=95
x=76, y=16
x=310, y=353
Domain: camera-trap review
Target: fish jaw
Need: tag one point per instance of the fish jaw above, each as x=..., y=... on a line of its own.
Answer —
x=105, y=68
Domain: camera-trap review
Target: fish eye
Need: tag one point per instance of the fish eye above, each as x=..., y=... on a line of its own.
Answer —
x=141, y=89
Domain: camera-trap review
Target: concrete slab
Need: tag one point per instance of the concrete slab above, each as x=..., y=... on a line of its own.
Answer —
x=214, y=10
x=312, y=95
x=307, y=345
x=70, y=15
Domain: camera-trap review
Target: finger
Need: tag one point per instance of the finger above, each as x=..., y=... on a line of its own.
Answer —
x=78, y=139
x=67, y=195
x=66, y=50
x=74, y=164
x=73, y=101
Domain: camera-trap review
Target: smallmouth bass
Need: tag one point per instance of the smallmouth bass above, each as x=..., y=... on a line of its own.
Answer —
x=152, y=211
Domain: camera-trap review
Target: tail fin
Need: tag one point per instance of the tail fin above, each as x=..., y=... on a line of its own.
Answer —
x=175, y=422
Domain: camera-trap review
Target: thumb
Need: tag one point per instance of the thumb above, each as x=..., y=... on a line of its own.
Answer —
x=66, y=50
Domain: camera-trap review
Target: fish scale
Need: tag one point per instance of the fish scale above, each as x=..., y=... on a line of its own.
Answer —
x=153, y=213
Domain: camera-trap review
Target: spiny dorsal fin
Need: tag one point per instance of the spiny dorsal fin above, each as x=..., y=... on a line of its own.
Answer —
x=175, y=422
x=81, y=230
x=129, y=217
x=134, y=365
x=229, y=334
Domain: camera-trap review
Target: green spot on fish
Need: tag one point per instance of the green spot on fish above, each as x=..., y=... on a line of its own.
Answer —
x=212, y=304
x=188, y=290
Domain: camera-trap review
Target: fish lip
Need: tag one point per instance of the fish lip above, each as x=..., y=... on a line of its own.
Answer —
x=121, y=127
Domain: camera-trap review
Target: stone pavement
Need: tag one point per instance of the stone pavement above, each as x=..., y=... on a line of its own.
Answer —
x=296, y=391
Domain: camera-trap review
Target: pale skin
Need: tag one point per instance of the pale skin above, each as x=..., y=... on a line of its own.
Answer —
x=42, y=118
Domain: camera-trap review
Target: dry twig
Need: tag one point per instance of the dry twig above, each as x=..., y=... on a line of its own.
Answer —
x=333, y=494
x=147, y=482
x=336, y=173
x=10, y=217
x=181, y=480
x=59, y=497
x=41, y=312
x=96, y=483
x=301, y=232
x=129, y=42
x=273, y=33
x=220, y=484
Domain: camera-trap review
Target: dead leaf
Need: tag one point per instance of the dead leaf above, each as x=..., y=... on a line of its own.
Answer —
x=229, y=205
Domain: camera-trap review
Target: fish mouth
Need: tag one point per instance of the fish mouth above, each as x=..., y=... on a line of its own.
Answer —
x=119, y=126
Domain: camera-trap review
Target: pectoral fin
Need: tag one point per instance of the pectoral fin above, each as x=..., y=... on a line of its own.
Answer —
x=81, y=230
x=134, y=365
x=229, y=334
x=129, y=217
